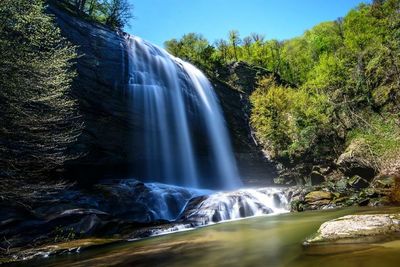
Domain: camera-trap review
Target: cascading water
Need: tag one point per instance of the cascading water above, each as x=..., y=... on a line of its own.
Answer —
x=238, y=204
x=183, y=138
x=203, y=210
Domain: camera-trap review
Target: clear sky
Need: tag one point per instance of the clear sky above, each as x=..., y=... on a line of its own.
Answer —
x=161, y=20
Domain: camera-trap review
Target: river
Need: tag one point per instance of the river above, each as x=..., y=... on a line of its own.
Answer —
x=271, y=240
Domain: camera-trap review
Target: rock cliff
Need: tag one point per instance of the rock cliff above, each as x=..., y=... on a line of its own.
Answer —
x=100, y=87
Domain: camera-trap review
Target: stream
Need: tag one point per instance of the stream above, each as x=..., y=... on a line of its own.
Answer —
x=269, y=240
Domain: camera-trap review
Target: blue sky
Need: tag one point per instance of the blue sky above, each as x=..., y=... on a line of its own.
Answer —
x=161, y=20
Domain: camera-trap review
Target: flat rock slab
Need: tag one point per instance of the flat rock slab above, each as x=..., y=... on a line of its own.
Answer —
x=72, y=246
x=356, y=227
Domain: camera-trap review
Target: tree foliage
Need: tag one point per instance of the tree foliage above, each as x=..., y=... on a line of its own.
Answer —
x=342, y=72
x=39, y=119
x=113, y=13
x=288, y=121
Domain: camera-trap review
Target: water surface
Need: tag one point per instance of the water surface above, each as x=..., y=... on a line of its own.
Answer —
x=260, y=241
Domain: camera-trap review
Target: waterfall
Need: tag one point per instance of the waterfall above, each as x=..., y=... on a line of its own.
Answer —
x=181, y=137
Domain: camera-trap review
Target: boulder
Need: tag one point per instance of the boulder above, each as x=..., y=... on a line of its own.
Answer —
x=357, y=160
x=319, y=196
x=358, y=182
x=356, y=227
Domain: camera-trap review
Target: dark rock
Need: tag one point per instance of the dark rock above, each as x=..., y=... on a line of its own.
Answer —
x=316, y=178
x=356, y=160
x=87, y=225
x=114, y=207
x=105, y=141
x=342, y=185
x=357, y=182
x=363, y=202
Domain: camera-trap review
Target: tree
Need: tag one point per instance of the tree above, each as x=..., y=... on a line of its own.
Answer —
x=118, y=13
x=222, y=47
x=39, y=119
x=247, y=41
x=234, y=40
x=114, y=13
x=257, y=37
x=270, y=109
x=192, y=47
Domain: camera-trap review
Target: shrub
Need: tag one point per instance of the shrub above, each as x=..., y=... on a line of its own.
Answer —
x=289, y=122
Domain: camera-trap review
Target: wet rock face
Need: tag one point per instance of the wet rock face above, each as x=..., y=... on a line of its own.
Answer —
x=111, y=207
x=357, y=226
x=100, y=91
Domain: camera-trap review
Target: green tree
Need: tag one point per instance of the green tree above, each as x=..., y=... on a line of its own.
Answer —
x=39, y=119
x=290, y=122
x=270, y=116
x=193, y=48
x=247, y=41
x=222, y=48
x=234, y=40
x=113, y=13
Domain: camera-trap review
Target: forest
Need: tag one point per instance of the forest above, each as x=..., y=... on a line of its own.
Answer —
x=341, y=84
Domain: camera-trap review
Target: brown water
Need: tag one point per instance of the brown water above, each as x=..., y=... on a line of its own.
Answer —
x=261, y=241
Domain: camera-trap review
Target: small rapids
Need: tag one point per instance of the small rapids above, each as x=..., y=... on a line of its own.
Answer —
x=205, y=207
x=224, y=206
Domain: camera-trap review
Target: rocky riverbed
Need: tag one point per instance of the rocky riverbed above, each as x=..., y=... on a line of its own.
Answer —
x=128, y=209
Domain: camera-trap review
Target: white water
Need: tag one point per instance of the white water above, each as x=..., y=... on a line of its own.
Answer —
x=204, y=207
x=243, y=203
x=183, y=138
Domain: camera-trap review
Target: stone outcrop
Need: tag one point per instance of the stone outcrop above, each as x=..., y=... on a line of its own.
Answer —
x=357, y=227
x=337, y=195
x=357, y=160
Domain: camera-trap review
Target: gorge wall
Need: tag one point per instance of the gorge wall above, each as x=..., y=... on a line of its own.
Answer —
x=101, y=88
